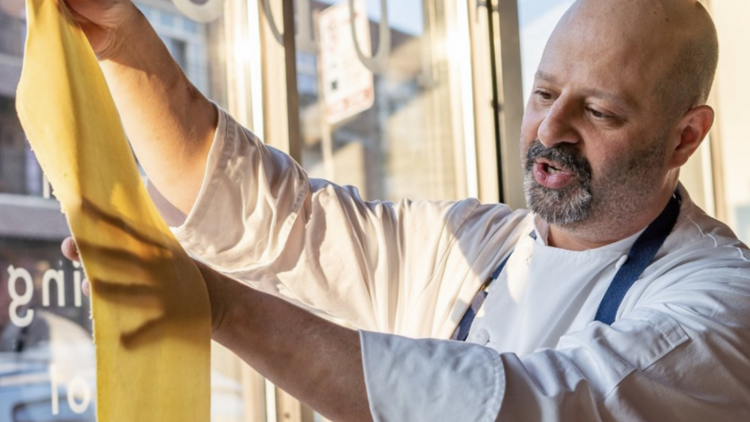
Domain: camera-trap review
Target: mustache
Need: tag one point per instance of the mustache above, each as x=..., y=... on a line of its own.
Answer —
x=568, y=155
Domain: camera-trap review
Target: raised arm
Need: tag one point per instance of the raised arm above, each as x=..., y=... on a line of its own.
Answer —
x=170, y=124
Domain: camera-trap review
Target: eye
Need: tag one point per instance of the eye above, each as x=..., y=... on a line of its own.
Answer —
x=542, y=94
x=598, y=114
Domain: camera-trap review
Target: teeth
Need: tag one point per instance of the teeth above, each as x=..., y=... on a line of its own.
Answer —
x=552, y=170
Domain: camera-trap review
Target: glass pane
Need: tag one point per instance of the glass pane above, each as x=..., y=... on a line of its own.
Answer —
x=19, y=173
x=47, y=359
x=46, y=354
x=47, y=368
x=537, y=19
x=394, y=133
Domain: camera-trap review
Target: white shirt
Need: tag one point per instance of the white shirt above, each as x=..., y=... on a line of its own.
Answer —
x=403, y=273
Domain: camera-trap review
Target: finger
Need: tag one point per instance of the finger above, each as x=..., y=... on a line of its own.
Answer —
x=141, y=335
x=69, y=249
x=107, y=288
x=130, y=295
x=117, y=257
x=98, y=213
x=86, y=287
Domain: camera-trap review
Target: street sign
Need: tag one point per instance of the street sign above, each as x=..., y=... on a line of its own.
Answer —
x=348, y=86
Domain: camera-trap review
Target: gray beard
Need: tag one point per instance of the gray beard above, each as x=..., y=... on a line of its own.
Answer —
x=616, y=195
x=561, y=207
x=565, y=206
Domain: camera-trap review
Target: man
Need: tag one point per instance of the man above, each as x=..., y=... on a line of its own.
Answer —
x=618, y=106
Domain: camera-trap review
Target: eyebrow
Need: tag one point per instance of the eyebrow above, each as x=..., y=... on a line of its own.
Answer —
x=620, y=100
x=544, y=76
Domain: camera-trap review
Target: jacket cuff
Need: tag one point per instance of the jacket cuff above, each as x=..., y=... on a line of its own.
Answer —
x=430, y=380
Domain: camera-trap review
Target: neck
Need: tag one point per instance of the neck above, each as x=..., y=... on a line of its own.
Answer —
x=562, y=239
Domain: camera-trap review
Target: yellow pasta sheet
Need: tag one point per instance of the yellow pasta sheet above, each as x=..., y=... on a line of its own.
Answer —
x=151, y=312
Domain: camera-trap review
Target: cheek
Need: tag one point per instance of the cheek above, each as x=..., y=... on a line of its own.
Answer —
x=613, y=164
x=606, y=156
x=606, y=159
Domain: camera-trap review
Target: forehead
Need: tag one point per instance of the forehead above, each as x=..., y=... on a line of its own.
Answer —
x=606, y=53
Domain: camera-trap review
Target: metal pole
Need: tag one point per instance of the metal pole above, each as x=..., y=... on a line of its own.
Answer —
x=292, y=103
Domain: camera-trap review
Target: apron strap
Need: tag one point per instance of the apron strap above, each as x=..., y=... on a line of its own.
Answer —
x=462, y=331
x=639, y=257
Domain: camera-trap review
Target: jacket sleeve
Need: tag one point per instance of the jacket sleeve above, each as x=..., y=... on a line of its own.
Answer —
x=260, y=219
x=684, y=360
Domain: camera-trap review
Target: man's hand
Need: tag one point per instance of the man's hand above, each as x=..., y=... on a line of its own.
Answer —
x=216, y=284
x=69, y=250
x=316, y=361
x=137, y=293
x=105, y=22
x=144, y=276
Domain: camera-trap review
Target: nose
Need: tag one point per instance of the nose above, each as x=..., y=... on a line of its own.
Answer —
x=557, y=126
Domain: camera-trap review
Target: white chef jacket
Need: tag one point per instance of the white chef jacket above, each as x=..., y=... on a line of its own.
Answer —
x=404, y=274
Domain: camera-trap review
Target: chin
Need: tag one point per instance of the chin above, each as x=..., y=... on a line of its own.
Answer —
x=567, y=207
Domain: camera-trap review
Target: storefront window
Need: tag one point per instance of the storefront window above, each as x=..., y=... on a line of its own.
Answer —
x=19, y=173
x=46, y=355
x=47, y=358
x=47, y=370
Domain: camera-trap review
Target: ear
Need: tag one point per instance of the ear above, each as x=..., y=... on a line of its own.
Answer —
x=691, y=130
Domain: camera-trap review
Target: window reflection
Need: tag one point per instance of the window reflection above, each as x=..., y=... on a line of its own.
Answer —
x=46, y=355
x=47, y=358
x=409, y=143
x=19, y=172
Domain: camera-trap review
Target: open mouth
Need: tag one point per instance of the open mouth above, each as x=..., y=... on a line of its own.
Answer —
x=552, y=175
x=552, y=168
x=558, y=167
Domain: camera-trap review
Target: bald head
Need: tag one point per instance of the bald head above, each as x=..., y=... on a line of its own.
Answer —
x=669, y=46
x=692, y=64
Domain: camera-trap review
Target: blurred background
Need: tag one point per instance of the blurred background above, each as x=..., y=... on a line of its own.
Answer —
x=411, y=98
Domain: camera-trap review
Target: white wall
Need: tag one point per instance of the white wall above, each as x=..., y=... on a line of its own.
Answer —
x=733, y=107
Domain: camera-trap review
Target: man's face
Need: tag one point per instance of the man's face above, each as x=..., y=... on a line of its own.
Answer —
x=593, y=137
